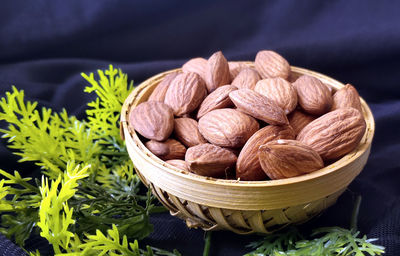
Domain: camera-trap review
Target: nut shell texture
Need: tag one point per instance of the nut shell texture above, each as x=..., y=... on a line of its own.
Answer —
x=258, y=106
x=210, y=160
x=185, y=93
x=314, y=96
x=247, y=78
x=248, y=166
x=216, y=100
x=196, y=65
x=270, y=64
x=288, y=158
x=227, y=127
x=186, y=131
x=159, y=92
x=166, y=150
x=347, y=97
x=217, y=72
x=334, y=134
x=153, y=120
x=280, y=91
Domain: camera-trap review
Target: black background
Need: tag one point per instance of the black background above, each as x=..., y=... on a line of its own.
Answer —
x=44, y=45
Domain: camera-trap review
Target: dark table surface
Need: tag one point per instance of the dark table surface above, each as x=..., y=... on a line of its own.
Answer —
x=45, y=45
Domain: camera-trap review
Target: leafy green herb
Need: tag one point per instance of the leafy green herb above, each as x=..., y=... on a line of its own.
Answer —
x=329, y=241
x=71, y=203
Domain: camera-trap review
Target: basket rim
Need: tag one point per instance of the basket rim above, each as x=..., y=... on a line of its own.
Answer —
x=148, y=156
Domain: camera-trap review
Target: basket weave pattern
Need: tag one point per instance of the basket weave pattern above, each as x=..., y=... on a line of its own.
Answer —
x=239, y=206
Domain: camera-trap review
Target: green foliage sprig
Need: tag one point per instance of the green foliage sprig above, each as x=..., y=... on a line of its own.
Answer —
x=328, y=241
x=89, y=210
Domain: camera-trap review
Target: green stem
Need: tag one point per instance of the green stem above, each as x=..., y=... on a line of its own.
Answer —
x=207, y=244
x=354, y=215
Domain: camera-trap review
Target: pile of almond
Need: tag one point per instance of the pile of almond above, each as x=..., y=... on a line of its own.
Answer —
x=226, y=119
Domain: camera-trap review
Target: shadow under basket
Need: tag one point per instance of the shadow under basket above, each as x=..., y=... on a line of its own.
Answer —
x=243, y=207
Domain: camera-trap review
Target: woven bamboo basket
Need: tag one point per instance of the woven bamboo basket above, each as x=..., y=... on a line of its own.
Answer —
x=243, y=207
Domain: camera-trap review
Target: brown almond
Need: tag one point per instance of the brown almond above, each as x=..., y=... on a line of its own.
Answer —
x=235, y=67
x=161, y=89
x=186, y=131
x=298, y=120
x=227, y=127
x=180, y=164
x=334, y=134
x=185, y=93
x=153, y=120
x=210, y=160
x=347, y=97
x=282, y=159
x=196, y=65
x=314, y=96
x=216, y=100
x=258, y=106
x=166, y=150
x=270, y=64
x=248, y=166
x=217, y=72
x=280, y=91
x=247, y=78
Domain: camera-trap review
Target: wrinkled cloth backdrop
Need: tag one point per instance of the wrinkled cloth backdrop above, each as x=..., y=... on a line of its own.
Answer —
x=45, y=45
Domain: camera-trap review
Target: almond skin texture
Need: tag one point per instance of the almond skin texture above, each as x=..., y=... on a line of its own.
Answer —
x=334, y=134
x=282, y=159
x=247, y=78
x=227, y=127
x=270, y=64
x=180, y=164
x=248, y=166
x=235, y=67
x=159, y=92
x=216, y=100
x=210, y=160
x=196, y=65
x=153, y=120
x=185, y=93
x=217, y=72
x=258, y=106
x=280, y=91
x=169, y=149
x=186, y=131
x=314, y=97
x=298, y=120
x=347, y=97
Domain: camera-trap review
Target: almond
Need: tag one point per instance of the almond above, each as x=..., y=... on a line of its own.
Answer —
x=185, y=93
x=248, y=166
x=180, y=164
x=169, y=149
x=216, y=100
x=217, y=72
x=247, y=78
x=313, y=95
x=196, y=65
x=227, y=127
x=235, y=67
x=161, y=89
x=298, y=120
x=270, y=64
x=288, y=158
x=258, y=106
x=334, y=134
x=280, y=91
x=186, y=131
x=153, y=120
x=210, y=160
x=347, y=97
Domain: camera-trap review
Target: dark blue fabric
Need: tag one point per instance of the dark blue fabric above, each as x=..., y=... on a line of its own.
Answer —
x=44, y=45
